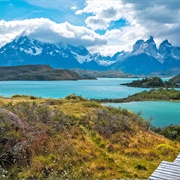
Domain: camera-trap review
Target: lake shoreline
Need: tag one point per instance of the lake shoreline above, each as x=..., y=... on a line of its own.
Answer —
x=161, y=94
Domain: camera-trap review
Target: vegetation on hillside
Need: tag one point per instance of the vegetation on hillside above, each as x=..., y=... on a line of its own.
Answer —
x=172, y=132
x=74, y=138
x=102, y=74
x=36, y=73
x=152, y=82
x=152, y=95
x=175, y=79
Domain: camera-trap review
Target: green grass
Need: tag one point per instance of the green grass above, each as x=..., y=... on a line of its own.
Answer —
x=74, y=138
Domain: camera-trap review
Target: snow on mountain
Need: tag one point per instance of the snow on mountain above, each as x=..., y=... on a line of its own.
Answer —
x=81, y=59
x=167, y=50
x=120, y=56
x=25, y=50
x=145, y=57
x=103, y=60
x=148, y=47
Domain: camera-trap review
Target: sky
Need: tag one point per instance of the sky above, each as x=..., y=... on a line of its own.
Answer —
x=105, y=26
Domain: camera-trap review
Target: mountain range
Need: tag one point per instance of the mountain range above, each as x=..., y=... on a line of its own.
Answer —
x=145, y=58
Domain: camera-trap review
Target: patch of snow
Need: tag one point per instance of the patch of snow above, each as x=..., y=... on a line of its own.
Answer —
x=105, y=63
x=64, y=55
x=57, y=51
x=51, y=53
x=175, y=57
x=159, y=57
x=141, y=49
x=38, y=51
x=2, y=51
x=81, y=59
x=29, y=51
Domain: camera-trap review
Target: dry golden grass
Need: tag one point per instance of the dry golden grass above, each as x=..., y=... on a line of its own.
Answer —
x=73, y=145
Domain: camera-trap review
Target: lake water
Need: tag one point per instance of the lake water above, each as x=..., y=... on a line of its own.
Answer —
x=164, y=113
x=99, y=89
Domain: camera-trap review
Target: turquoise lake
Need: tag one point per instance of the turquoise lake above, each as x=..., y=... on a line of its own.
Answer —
x=99, y=89
x=163, y=112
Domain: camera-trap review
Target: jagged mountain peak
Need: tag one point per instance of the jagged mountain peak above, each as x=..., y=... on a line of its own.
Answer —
x=137, y=45
x=145, y=55
x=166, y=42
x=26, y=50
x=150, y=40
x=148, y=47
x=165, y=48
x=140, y=41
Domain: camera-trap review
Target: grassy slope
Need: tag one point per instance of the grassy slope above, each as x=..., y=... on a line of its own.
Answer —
x=78, y=139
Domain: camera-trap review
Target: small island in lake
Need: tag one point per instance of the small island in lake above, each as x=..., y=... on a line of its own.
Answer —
x=154, y=82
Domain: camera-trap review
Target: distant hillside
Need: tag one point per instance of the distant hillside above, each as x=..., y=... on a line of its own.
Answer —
x=36, y=72
x=102, y=74
x=154, y=82
x=175, y=79
x=165, y=94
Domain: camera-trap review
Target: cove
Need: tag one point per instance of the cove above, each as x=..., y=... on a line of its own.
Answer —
x=163, y=113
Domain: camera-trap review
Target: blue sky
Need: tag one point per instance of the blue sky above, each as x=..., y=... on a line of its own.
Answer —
x=106, y=26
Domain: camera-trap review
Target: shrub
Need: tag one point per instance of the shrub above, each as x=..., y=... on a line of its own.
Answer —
x=164, y=149
x=91, y=104
x=74, y=97
x=140, y=167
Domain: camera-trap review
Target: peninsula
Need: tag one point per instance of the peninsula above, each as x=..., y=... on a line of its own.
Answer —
x=37, y=73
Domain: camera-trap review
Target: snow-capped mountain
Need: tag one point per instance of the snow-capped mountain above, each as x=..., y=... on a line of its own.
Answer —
x=148, y=47
x=103, y=60
x=24, y=50
x=145, y=58
x=169, y=54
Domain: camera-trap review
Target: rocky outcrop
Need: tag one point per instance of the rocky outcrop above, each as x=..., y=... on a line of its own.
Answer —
x=12, y=119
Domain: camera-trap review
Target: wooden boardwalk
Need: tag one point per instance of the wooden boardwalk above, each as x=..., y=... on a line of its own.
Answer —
x=167, y=170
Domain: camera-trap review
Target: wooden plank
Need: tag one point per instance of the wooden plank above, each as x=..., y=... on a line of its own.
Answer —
x=167, y=170
x=177, y=160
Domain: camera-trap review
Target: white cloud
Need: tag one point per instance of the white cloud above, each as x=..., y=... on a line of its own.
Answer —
x=96, y=23
x=158, y=18
x=120, y=39
x=103, y=12
x=49, y=31
x=74, y=7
